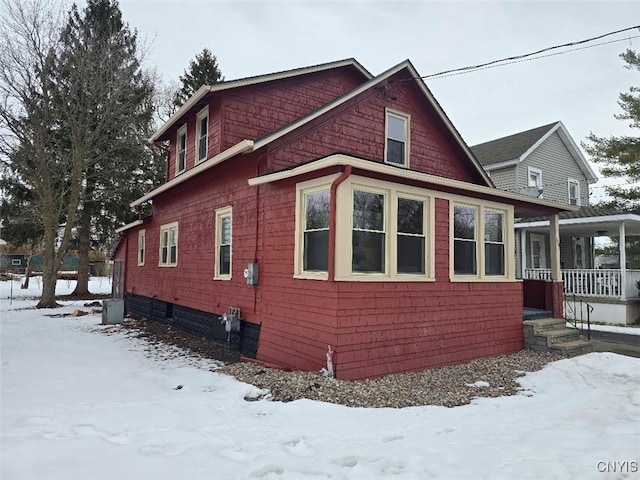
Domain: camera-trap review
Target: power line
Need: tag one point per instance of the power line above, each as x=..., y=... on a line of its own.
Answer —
x=515, y=58
x=462, y=72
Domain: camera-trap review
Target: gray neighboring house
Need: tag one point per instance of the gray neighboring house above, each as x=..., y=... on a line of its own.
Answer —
x=545, y=162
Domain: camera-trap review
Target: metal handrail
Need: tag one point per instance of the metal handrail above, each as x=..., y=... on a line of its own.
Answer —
x=570, y=307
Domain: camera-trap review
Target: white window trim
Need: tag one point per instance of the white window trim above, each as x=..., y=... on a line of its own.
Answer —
x=344, y=228
x=302, y=189
x=578, y=192
x=220, y=214
x=536, y=237
x=142, y=247
x=407, y=129
x=508, y=237
x=182, y=130
x=201, y=114
x=537, y=172
x=168, y=227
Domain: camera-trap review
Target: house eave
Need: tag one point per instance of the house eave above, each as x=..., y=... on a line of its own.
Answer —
x=129, y=226
x=241, y=147
x=381, y=168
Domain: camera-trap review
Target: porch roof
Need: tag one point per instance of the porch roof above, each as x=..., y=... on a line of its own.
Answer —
x=587, y=222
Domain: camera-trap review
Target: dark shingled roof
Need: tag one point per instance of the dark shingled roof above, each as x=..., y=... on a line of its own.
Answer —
x=510, y=147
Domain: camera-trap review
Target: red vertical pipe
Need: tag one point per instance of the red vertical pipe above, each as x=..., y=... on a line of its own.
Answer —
x=332, y=220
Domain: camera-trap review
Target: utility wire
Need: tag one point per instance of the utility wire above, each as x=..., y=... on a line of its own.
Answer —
x=437, y=76
x=531, y=54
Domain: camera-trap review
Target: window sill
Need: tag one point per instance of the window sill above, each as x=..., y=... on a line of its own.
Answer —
x=474, y=279
x=224, y=278
x=312, y=276
x=372, y=277
x=169, y=265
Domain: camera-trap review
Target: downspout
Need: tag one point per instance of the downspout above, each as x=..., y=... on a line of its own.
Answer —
x=333, y=221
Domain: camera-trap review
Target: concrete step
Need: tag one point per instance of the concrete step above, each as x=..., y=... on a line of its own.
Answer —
x=572, y=348
x=560, y=336
x=545, y=324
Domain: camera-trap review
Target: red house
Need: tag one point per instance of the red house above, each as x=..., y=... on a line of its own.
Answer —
x=357, y=212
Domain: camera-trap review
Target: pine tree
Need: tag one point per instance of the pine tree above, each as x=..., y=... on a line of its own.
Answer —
x=620, y=155
x=108, y=121
x=203, y=70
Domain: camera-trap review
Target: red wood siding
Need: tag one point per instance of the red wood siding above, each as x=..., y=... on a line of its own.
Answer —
x=358, y=128
x=193, y=206
x=374, y=328
x=377, y=328
x=254, y=111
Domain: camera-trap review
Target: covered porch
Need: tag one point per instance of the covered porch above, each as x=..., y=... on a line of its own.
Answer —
x=612, y=291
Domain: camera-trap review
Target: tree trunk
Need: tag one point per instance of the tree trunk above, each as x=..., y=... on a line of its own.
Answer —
x=27, y=272
x=82, y=285
x=84, y=238
x=49, y=279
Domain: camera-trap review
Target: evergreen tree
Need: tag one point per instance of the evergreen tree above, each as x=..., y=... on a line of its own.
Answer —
x=203, y=70
x=108, y=121
x=620, y=155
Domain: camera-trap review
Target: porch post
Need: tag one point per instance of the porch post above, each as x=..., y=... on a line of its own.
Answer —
x=554, y=226
x=523, y=252
x=622, y=253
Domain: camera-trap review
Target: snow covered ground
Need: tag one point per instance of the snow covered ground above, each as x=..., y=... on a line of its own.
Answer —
x=80, y=404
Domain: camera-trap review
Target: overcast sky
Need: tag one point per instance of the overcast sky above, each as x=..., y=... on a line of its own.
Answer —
x=580, y=88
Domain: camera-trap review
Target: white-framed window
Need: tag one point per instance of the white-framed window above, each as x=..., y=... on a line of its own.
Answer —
x=411, y=241
x=169, y=245
x=573, y=191
x=494, y=239
x=224, y=239
x=315, y=251
x=538, y=251
x=141, y=247
x=383, y=231
x=465, y=239
x=534, y=181
x=181, y=150
x=397, y=138
x=480, y=239
x=368, y=231
x=16, y=262
x=202, y=134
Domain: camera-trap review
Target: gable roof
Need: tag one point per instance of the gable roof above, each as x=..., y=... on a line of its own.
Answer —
x=513, y=149
x=242, y=82
x=251, y=145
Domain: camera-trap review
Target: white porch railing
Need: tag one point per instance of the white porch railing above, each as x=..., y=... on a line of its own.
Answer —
x=591, y=282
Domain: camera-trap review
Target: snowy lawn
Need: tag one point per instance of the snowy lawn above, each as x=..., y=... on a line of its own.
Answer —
x=81, y=404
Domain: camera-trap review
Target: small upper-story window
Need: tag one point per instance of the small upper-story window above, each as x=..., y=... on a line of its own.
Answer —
x=181, y=150
x=574, y=191
x=202, y=132
x=534, y=181
x=397, y=138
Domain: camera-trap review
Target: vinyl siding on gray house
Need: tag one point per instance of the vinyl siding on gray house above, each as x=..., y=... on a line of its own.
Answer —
x=504, y=179
x=557, y=165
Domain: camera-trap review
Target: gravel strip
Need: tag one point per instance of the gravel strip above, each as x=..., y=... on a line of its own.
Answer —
x=448, y=386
